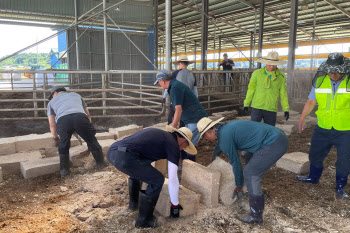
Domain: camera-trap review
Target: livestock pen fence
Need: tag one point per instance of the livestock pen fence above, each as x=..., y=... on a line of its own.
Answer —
x=124, y=93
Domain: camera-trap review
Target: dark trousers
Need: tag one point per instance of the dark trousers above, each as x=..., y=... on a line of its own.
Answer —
x=137, y=167
x=76, y=122
x=321, y=143
x=259, y=114
x=227, y=78
x=261, y=161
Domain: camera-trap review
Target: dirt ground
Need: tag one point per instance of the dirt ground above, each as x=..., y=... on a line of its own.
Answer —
x=91, y=201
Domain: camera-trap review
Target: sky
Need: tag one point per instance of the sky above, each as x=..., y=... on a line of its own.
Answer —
x=14, y=38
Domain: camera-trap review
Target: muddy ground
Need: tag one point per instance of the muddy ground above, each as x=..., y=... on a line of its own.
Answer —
x=91, y=201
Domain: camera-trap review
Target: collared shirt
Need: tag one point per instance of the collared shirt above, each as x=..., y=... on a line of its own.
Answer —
x=65, y=103
x=227, y=67
x=335, y=86
x=247, y=136
x=180, y=94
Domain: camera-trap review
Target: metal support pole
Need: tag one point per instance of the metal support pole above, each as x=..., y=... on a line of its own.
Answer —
x=105, y=35
x=168, y=34
x=104, y=77
x=155, y=12
x=254, y=42
x=219, y=51
x=204, y=44
x=185, y=39
x=195, y=55
x=175, y=56
x=292, y=42
x=313, y=36
x=76, y=34
x=261, y=30
x=251, y=50
x=35, y=96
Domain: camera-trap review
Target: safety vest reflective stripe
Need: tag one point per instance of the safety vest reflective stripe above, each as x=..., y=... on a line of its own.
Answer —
x=317, y=90
x=343, y=91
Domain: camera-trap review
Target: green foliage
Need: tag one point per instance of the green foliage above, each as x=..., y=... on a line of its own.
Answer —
x=27, y=59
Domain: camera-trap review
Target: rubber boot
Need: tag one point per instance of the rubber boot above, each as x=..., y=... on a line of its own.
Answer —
x=313, y=177
x=64, y=165
x=341, y=183
x=146, y=219
x=134, y=190
x=100, y=160
x=257, y=204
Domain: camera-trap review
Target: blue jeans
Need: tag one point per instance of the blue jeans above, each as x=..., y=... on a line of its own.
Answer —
x=195, y=138
x=321, y=143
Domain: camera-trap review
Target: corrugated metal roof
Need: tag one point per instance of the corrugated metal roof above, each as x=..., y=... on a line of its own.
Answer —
x=236, y=18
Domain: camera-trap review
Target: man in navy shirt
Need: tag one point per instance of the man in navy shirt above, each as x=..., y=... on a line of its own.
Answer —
x=133, y=156
x=186, y=104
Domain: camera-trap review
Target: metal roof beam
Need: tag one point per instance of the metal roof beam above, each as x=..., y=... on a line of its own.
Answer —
x=345, y=12
x=210, y=14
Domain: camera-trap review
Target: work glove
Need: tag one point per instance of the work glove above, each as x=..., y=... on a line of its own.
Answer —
x=245, y=111
x=286, y=115
x=175, y=211
x=57, y=141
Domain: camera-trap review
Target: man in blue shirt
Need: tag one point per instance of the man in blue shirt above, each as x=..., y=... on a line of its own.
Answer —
x=68, y=113
x=186, y=104
x=133, y=156
x=267, y=144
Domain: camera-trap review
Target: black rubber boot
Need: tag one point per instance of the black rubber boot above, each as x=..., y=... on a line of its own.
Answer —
x=257, y=204
x=339, y=189
x=146, y=219
x=100, y=160
x=134, y=190
x=64, y=165
x=313, y=177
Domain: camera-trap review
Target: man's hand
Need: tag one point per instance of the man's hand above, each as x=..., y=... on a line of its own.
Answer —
x=286, y=115
x=57, y=141
x=245, y=111
x=301, y=125
x=175, y=211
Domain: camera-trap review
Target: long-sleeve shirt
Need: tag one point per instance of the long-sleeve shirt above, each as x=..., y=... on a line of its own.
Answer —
x=264, y=91
x=249, y=136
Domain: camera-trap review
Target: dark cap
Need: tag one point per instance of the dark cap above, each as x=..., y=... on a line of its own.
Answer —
x=225, y=54
x=56, y=89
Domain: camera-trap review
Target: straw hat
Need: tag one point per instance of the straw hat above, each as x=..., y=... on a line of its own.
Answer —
x=205, y=124
x=272, y=59
x=336, y=63
x=183, y=58
x=187, y=134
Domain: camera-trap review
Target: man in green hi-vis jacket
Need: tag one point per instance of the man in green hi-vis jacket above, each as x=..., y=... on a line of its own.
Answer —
x=265, y=87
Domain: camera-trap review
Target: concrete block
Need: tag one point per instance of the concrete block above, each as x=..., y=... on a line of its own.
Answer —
x=11, y=163
x=288, y=129
x=202, y=180
x=105, y=136
x=38, y=141
x=162, y=166
x=189, y=201
x=244, y=118
x=1, y=178
x=40, y=167
x=280, y=115
x=105, y=144
x=125, y=130
x=159, y=126
x=227, y=180
x=229, y=115
x=8, y=146
x=297, y=162
x=76, y=154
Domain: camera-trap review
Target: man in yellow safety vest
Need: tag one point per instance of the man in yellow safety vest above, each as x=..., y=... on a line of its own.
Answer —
x=332, y=93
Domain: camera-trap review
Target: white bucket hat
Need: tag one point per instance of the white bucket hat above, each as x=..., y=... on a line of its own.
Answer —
x=205, y=124
x=183, y=58
x=272, y=59
x=187, y=134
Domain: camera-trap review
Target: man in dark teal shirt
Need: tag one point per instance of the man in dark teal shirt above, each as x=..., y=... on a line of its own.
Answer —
x=187, y=106
x=267, y=143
